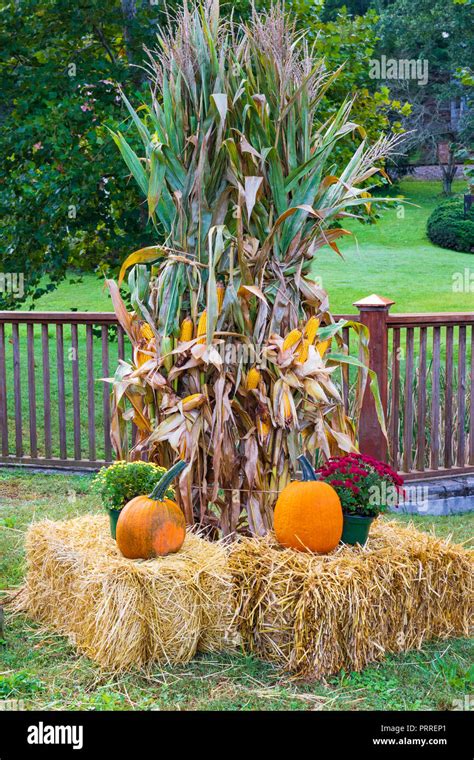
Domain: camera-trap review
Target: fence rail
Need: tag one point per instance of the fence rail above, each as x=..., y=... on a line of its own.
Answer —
x=55, y=412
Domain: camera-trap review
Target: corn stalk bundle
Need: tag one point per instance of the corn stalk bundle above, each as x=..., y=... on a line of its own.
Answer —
x=236, y=357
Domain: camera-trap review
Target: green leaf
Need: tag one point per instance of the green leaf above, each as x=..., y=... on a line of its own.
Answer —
x=132, y=161
x=142, y=256
x=141, y=128
x=220, y=101
x=373, y=383
x=155, y=186
x=251, y=187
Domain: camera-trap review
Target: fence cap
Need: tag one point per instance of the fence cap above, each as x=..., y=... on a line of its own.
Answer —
x=374, y=302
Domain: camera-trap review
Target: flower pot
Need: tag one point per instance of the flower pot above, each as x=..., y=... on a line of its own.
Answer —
x=113, y=517
x=355, y=529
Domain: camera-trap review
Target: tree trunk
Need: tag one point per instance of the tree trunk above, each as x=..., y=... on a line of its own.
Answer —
x=449, y=173
x=129, y=11
x=447, y=184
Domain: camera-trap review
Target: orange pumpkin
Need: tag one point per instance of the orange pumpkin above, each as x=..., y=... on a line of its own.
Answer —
x=308, y=514
x=152, y=526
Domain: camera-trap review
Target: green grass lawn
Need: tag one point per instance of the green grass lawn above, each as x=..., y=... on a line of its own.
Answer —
x=395, y=259
x=87, y=293
x=44, y=670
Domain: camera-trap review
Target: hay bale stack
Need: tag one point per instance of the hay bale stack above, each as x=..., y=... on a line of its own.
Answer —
x=317, y=614
x=311, y=614
x=122, y=612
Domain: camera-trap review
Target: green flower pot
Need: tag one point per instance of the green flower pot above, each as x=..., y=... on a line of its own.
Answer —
x=114, y=515
x=355, y=529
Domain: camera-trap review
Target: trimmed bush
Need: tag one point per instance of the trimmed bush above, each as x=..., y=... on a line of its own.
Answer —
x=448, y=228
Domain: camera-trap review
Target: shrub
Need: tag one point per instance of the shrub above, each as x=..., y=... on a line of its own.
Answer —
x=448, y=228
x=123, y=481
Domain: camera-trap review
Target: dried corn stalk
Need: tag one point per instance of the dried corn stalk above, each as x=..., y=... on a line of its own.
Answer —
x=243, y=189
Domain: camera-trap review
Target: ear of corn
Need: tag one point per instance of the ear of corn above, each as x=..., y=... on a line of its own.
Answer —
x=220, y=296
x=286, y=406
x=253, y=379
x=303, y=351
x=193, y=401
x=263, y=428
x=140, y=357
x=314, y=389
x=291, y=339
x=323, y=347
x=146, y=332
x=311, y=329
x=202, y=326
x=187, y=330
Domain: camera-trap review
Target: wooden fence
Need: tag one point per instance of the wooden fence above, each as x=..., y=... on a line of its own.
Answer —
x=55, y=413
x=425, y=367
x=59, y=395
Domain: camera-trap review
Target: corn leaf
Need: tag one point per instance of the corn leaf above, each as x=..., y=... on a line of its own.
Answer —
x=143, y=256
x=132, y=161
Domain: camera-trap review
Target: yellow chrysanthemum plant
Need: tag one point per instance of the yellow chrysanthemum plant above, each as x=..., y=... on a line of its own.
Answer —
x=237, y=361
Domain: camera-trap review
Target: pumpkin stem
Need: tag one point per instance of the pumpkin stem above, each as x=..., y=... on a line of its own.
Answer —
x=307, y=468
x=161, y=487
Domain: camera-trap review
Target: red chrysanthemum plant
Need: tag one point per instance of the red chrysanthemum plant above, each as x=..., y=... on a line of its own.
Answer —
x=364, y=485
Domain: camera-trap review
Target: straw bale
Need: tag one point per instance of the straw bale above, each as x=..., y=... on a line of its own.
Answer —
x=316, y=614
x=122, y=612
x=311, y=614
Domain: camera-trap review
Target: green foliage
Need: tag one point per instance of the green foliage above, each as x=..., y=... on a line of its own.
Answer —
x=64, y=197
x=123, y=481
x=434, y=31
x=19, y=684
x=448, y=228
x=467, y=157
x=350, y=42
x=332, y=8
x=466, y=131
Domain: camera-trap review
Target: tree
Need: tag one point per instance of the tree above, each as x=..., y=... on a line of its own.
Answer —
x=65, y=199
x=332, y=8
x=434, y=31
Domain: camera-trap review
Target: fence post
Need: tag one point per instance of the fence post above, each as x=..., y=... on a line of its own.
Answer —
x=373, y=312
